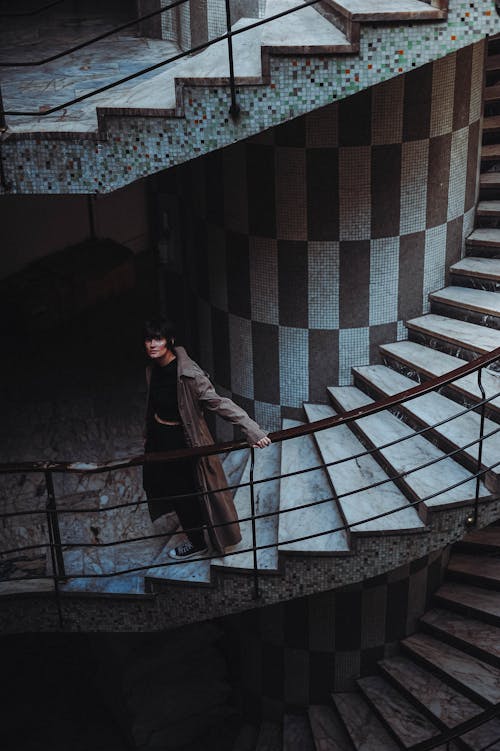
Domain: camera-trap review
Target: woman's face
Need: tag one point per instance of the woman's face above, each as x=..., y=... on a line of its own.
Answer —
x=156, y=348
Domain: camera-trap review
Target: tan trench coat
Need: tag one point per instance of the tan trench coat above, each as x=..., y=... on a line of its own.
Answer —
x=195, y=393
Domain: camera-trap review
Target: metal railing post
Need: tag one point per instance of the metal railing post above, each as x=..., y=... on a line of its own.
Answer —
x=3, y=122
x=480, y=446
x=234, y=109
x=54, y=531
x=254, y=529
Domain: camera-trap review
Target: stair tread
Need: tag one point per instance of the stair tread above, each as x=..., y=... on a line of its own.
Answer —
x=447, y=705
x=493, y=62
x=384, y=427
x=484, y=566
x=462, y=333
x=297, y=735
x=338, y=443
x=488, y=208
x=490, y=150
x=365, y=730
x=479, y=300
x=493, y=121
x=233, y=465
x=484, y=268
x=485, y=235
x=489, y=179
x=328, y=732
x=431, y=408
x=491, y=93
x=434, y=363
x=474, y=674
x=468, y=630
x=387, y=10
x=408, y=724
x=490, y=536
x=477, y=599
x=484, y=736
x=301, y=453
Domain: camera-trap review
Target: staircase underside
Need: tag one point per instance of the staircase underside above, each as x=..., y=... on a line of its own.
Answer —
x=182, y=111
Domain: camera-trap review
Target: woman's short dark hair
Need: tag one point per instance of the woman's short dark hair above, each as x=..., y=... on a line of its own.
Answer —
x=159, y=328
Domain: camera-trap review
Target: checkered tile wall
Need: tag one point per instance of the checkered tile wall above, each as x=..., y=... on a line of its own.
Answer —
x=314, y=241
x=296, y=653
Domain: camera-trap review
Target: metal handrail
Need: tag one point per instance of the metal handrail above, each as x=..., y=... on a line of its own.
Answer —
x=279, y=435
x=204, y=45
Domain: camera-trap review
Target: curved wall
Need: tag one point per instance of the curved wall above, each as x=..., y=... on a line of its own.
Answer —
x=312, y=243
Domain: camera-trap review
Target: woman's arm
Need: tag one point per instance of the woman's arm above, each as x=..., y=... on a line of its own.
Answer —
x=228, y=410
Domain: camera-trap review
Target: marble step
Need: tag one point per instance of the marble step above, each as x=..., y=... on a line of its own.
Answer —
x=485, y=237
x=428, y=409
x=468, y=674
x=302, y=453
x=486, y=540
x=340, y=443
x=488, y=208
x=459, y=334
x=482, y=570
x=489, y=180
x=478, y=267
x=486, y=736
x=478, y=638
x=404, y=721
x=416, y=451
x=446, y=706
x=492, y=122
x=328, y=732
x=376, y=11
x=297, y=734
x=474, y=602
x=270, y=737
x=416, y=360
x=493, y=62
x=266, y=495
x=491, y=151
x=492, y=93
x=468, y=299
x=234, y=464
x=365, y=730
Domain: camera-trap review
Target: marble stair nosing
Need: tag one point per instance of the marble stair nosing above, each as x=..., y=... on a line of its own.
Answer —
x=328, y=732
x=483, y=571
x=477, y=267
x=470, y=675
x=422, y=484
x=302, y=453
x=364, y=728
x=339, y=443
x=413, y=358
x=436, y=699
x=468, y=299
x=426, y=410
x=469, y=634
x=409, y=727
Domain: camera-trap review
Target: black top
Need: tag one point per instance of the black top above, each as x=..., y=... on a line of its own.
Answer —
x=163, y=392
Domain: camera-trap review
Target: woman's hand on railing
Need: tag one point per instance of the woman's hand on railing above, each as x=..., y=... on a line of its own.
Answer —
x=266, y=441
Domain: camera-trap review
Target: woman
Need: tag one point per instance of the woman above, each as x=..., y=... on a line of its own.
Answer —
x=178, y=391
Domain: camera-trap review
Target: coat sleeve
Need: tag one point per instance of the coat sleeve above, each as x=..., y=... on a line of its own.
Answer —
x=227, y=409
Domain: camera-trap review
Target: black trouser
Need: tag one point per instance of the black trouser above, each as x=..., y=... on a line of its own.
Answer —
x=161, y=479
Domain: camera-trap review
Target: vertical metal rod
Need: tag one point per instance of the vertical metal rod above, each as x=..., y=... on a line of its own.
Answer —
x=54, y=524
x=51, y=511
x=3, y=122
x=480, y=447
x=234, y=109
x=254, y=530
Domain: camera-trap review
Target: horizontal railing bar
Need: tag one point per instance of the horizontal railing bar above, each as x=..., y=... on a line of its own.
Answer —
x=325, y=465
x=88, y=42
x=156, y=66
x=281, y=435
x=344, y=527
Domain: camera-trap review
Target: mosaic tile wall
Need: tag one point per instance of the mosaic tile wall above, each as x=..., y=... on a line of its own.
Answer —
x=133, y=146
x=297, y=652
x=311, y=244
